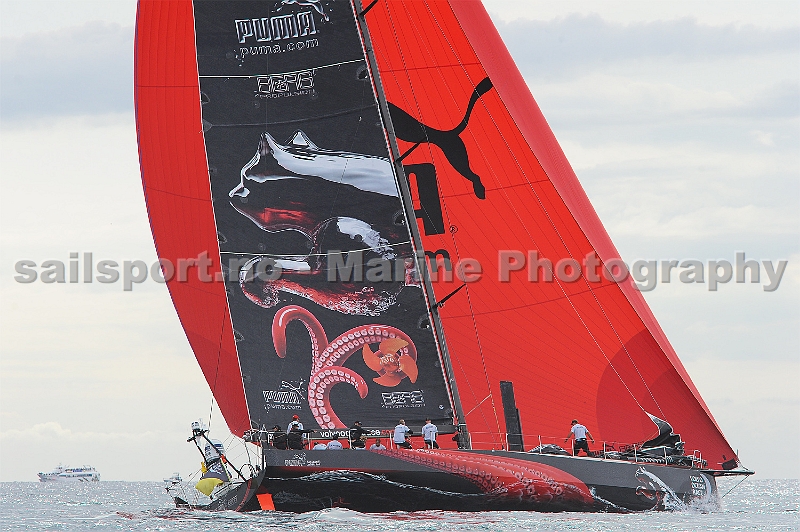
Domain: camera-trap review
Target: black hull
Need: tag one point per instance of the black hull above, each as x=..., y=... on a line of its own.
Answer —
x=400, y=480
x=239, y=498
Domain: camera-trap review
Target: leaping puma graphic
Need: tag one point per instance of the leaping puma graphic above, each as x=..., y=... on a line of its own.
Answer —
x=409, y=129
x=315, y=4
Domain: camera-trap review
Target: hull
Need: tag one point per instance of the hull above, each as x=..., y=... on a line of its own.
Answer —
x=78, y=474
x=47, y=478
x=401, y=480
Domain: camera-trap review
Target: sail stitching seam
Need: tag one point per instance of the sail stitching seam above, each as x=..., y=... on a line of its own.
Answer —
x=290, y=72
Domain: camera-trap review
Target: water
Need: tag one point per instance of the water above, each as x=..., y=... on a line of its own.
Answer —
x=102, y=506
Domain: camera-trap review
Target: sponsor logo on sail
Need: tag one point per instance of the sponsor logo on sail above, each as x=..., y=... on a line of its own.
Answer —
x=286, y=85
x=289, y=397
x=268, y=29
x=413, y=399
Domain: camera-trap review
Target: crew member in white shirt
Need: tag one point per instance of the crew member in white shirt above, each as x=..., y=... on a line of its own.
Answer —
x=400, y=432
x=320, y=447
x=295, y=423
x=580, y=432
x=429, y=432
x=335, y=444
x=377, y=446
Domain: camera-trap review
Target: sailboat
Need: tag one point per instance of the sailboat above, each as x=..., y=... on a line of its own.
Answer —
x=379, y=225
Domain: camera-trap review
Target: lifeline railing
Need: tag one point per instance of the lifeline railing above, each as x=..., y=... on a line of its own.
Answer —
x=310, y=438
x=611, y=450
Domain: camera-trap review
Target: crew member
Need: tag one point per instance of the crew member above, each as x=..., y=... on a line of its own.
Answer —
x=429, y=432
x=295, y=438
x=294, y=423
x=377, y=446
x=358, y=436
x=580, y=432
x=400, y=432
x=278, y=438
x=319, y=447
x=335, y=444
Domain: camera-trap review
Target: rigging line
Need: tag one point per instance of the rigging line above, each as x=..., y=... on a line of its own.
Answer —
x=455, y=244
x=210, y=411
x=366, y=9
x=479, y=404
x=737, y=485
x=415, y=103
x=541, y=205
x=416, y=145
x=437, y=332
x=216, y=371
x=468, y=296
x=408, y=152
x=232, y=438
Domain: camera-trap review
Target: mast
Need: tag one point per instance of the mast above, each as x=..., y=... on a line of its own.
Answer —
x=407, y=203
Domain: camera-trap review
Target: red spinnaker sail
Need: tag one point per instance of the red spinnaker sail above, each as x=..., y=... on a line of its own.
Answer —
x=176, y=186
x=591, y=351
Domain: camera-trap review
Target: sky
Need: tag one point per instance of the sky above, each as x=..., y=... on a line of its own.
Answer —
x=679, y=118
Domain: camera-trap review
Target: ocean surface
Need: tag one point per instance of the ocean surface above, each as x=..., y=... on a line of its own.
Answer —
x=753, y=505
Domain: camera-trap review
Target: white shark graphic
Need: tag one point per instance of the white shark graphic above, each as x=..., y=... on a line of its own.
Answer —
x=300, y=156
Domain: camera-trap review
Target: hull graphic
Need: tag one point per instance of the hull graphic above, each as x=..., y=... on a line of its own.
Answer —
x=401, y=480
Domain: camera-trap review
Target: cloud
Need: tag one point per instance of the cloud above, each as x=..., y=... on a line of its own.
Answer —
x=570, y=44
x=55, y=432
x=763, y=137
x=608, y=99
x=72, y=71
x=764, y=393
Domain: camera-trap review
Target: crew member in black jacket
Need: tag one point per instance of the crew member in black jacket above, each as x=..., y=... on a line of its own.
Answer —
x=358, y=436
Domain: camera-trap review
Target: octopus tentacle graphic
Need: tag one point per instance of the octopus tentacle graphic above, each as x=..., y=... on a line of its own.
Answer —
x=291, y=313
x=657, y=491
x=339, y=350
x=395, y=359
x=319, y=387
x=508, y=478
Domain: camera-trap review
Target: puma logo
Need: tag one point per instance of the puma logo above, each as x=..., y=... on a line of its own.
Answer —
x=409, y=129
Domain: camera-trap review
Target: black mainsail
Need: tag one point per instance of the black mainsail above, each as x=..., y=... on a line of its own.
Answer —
x=328, y=314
